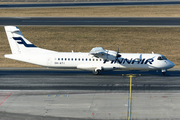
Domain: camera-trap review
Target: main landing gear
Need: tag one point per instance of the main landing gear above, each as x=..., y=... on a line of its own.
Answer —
x=163, y=71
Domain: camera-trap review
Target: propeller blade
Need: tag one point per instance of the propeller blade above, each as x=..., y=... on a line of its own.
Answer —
x=117, y=55
x=107, y=54
x=118, y=49
x=140, y=56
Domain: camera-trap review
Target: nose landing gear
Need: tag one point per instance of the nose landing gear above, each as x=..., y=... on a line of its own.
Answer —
x=96, y=72
x=163, y=71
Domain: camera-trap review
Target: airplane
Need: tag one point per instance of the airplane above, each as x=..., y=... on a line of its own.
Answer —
x=97, y=60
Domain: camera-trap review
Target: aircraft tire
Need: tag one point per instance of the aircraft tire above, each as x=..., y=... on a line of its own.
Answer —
x=96, y=72
x=163, y=73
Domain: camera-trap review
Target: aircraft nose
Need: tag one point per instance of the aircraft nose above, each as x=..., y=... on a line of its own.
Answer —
x=171, y=64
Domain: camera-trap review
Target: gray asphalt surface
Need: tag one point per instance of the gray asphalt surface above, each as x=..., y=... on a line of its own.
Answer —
x=89, y=4
x=85, y=80
x=67, y=1
x=40, y=93
x=94, y=21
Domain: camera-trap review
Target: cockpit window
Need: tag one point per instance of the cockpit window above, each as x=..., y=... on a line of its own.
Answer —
x=162, y=58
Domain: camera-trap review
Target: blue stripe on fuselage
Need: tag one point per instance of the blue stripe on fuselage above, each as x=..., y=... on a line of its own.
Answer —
x=23, y=42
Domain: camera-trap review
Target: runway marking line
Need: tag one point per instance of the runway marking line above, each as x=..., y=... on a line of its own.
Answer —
x=130, y=98
x=57, y=95
x=101, y=114
x=130, y=95
x=131, y=112
x=5, y=99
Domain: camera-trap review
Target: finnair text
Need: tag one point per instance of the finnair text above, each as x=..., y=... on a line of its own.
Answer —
x=131, y=61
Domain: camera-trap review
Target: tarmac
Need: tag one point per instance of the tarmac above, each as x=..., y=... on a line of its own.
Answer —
x=39, y=93
x=92, y=21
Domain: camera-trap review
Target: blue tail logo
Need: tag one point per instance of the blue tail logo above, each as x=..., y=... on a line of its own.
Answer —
x=21, y=41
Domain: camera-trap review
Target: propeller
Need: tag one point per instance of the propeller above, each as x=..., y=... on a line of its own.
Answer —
x=118, y=55
x=140, y=57
x=107, y=54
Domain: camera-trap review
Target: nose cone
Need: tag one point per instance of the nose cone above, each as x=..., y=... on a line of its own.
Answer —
x=170, y=64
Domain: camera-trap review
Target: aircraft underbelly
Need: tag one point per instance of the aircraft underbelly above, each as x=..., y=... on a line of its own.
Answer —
x=136, y=66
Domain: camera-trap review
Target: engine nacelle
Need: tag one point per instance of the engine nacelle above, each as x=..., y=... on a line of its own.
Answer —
x=105, y=54
x=111, y=55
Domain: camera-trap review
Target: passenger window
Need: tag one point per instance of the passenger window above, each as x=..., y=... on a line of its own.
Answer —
x=69, y=59
x=82, y=59
x=65, y=58
x=75, y=59
x=89, y=59
x=79, y=59
x=58, y=58
x=96, y=59
x=72, y=59
x=61, y=58
x=86, y=59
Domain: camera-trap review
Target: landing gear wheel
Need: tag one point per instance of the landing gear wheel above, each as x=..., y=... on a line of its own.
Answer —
x=163, y=71
x=95, y=72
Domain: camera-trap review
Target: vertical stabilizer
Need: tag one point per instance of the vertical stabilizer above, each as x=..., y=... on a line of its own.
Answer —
x=17, y=42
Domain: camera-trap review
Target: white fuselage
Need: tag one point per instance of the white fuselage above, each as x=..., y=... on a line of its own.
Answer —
x=87, y=61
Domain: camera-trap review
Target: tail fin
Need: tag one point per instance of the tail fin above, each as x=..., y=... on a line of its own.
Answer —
x=17, y=42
